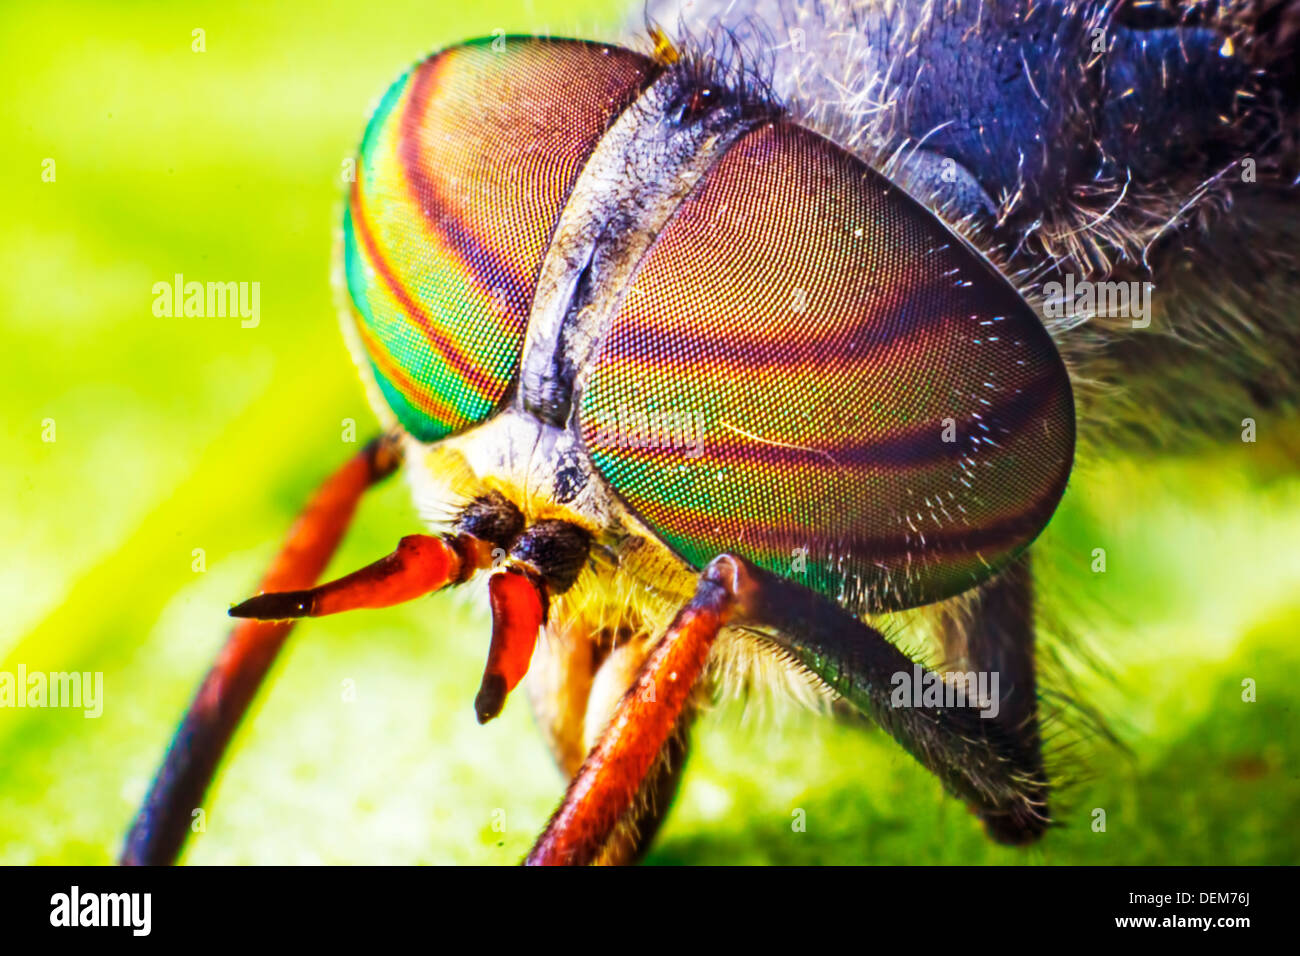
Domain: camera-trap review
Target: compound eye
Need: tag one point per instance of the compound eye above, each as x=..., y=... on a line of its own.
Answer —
x=810, y=370
x=462, y=174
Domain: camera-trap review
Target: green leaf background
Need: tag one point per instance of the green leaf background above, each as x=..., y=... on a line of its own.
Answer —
x=177, y=434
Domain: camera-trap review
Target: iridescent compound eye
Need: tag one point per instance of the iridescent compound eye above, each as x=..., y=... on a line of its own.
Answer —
x=811, y=371
x=462, y=173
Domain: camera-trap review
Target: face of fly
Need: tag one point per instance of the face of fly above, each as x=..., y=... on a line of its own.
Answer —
x=667, y=349
x=625, y=292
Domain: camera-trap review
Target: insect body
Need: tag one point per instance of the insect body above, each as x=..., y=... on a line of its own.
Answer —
x=545, y=295
x=703, y=393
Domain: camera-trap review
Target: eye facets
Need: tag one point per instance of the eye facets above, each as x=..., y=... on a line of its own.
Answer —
x=463, y=171
x=857, y=427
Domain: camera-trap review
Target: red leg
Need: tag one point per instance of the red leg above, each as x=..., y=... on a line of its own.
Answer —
x=606, y=787
x=978, y=758
x=164, y=819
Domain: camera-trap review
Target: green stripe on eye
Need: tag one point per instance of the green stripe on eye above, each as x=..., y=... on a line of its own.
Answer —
x=413, y=420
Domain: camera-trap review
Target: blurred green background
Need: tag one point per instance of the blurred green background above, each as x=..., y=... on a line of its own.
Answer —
x=178, y=434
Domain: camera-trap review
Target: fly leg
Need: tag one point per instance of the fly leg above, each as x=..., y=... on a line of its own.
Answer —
x=606, y=787
x=994, y=633
x=577, y=681
x=980, y=760
x=163, y=821
x=421, y=563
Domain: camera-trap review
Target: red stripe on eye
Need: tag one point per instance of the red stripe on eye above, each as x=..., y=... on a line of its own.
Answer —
x=446, y=349
x=840, y=331
x=901, y=448
x=491, y=272
x=420, y=397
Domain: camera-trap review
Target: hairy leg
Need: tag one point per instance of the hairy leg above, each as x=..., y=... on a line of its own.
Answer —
x=976, y=758
x=578, y=678
x=993, y=632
